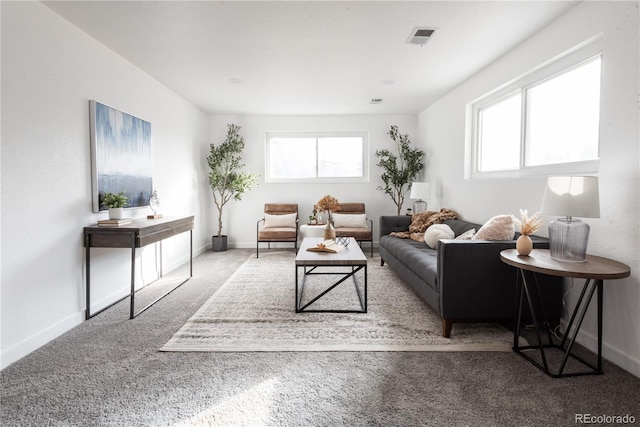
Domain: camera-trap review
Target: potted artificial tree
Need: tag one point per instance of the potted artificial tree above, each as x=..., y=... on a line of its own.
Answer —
x=399, y=170
x=115, y=203
x=226, y=180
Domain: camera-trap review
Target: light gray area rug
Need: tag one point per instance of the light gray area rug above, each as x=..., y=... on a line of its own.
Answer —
x=254, y=311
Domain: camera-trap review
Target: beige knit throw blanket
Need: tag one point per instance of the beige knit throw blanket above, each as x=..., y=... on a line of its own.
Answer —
x=421, y=221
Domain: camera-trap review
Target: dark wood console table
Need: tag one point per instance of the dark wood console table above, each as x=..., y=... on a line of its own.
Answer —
x=140, y=232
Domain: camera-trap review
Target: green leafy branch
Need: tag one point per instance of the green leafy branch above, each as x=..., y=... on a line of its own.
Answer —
x=399, y=170
x=226, y=180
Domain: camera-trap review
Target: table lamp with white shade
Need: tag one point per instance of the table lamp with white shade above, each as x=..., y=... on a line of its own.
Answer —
x=419, y=191
x=570, y=196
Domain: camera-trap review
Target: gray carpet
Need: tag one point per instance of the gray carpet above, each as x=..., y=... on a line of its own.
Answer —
x=109, y=372
x=254, y=311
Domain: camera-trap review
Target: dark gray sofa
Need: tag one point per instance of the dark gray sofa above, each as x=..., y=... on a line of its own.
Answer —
x=463, y=280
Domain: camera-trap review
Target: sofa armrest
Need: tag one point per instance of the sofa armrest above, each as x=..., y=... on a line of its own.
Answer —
x=389, y=224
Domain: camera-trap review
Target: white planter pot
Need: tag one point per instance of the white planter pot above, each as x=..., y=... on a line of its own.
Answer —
x=116, y=213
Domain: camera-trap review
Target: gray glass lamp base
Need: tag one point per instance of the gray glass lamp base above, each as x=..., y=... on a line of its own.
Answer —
x=568, y=239
x=419, y=206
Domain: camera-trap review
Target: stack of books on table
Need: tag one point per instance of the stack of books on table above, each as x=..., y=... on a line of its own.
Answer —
x=113, y=222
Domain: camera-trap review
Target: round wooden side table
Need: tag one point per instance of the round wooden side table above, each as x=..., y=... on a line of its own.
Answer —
x=594, y=270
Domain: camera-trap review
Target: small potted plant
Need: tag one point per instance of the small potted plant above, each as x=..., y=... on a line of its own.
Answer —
x=313, y=220
x=528, y=225
x=330, y=204
x=115, y=203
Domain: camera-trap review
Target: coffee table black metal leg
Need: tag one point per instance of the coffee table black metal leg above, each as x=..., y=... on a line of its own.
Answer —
x=363, y=303
x=346, y=275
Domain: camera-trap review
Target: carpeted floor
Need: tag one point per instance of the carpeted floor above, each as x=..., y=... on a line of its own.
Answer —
x=109, y=372
x=254, y=311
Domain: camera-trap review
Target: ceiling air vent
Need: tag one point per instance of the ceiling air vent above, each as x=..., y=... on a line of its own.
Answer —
x=420, y=35
x=376, y=100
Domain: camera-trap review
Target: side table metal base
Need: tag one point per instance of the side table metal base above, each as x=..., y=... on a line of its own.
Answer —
x=568, y=340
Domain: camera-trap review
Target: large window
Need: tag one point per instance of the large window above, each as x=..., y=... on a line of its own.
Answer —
x=546, y=122
x=317, y=157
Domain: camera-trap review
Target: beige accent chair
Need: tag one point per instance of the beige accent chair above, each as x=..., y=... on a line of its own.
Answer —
x=279, y=224
x=351, y=221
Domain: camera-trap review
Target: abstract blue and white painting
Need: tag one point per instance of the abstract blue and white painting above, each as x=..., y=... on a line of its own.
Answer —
x=121, y=156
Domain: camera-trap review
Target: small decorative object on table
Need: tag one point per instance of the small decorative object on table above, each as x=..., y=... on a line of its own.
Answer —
x=154, y=204
x=115, y=203
x=528, y=225
x=329, y=204
x=329, y=246
x=343, y=240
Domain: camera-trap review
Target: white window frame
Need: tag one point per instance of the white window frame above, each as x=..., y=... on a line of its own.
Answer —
x=318, y=134
x=579, y=55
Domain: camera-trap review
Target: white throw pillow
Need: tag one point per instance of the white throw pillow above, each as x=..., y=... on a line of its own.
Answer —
x=467, y=235
x=437, y=232
x=499, y=227
x=349, y=220
x=278, y=221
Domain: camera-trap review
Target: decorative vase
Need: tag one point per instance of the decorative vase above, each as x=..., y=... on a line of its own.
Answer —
x=116, y=213
x=329, y=231
x=524, y=245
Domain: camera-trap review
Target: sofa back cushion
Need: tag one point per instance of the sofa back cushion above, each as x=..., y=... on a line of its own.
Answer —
x=351, y=208
x=279, y=221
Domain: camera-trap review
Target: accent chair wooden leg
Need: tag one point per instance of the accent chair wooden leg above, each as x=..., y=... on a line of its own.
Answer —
x=447, y=324
x=381, y=262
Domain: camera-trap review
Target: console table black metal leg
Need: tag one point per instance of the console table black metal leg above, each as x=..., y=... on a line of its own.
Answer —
x=133, y=277
x=175, y=287
x=87, y=272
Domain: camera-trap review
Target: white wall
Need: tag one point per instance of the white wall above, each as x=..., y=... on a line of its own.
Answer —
x=50, y=71
x=617, y=233
x=239, y=218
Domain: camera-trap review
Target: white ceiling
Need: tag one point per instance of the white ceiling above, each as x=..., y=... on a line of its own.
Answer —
x=320, y=57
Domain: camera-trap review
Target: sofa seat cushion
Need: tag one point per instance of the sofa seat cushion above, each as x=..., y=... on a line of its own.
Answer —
x=360, y=233
x=416, y=256
x=277, y=233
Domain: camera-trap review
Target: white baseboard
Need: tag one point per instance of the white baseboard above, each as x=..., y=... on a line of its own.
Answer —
x=32, y=343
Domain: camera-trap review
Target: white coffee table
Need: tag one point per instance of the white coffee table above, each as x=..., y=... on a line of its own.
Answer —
x=352, y=258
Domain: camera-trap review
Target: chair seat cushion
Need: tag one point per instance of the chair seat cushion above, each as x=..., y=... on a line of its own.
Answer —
x=277, y=233
x=360, y=233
